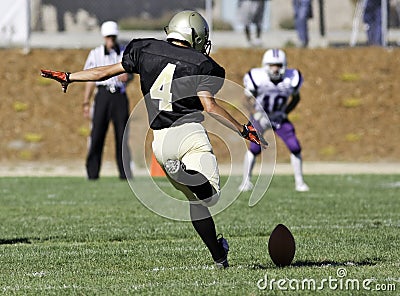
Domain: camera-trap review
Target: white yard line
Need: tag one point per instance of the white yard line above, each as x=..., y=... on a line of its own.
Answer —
x=77, y=168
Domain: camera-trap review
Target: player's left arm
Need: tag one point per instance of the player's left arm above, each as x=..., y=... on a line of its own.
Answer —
x=211, y=106
x=247, y=131
x=295, y=99
x=297, y=82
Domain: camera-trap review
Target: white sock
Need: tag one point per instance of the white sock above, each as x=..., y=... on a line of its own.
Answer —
x=248, y=164
x=297, y=164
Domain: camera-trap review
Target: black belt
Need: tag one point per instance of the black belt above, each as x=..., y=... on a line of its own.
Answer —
x=112, y=89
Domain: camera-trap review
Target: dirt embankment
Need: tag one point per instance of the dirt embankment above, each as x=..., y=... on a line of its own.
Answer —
x=349, y=109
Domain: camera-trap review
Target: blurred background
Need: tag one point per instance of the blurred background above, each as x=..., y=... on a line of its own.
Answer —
x=348, y=112
x=34, y=22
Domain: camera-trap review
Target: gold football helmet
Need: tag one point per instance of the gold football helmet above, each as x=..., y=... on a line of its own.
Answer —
x=189, y=26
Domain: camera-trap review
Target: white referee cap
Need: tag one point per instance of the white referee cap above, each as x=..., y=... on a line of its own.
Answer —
x=109, y=28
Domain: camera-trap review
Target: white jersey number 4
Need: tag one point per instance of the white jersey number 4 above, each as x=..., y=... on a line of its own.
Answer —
x=161, y=88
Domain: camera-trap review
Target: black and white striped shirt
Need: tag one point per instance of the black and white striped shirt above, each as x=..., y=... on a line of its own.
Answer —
x=100, y=56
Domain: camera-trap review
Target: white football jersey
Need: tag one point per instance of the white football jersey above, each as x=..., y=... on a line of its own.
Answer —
x=271, y=96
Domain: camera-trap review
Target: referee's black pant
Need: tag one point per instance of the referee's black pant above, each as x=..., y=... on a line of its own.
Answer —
x=109, y=106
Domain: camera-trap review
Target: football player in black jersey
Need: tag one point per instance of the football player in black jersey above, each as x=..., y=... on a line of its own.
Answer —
x=179, y=80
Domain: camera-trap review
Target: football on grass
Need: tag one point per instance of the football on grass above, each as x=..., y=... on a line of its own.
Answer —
x=281, y=246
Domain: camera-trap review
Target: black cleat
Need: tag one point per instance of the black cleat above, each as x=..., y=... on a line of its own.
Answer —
x=223, y=262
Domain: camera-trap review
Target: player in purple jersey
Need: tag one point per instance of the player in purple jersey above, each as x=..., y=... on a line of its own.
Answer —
x=179, y=80
x=272, y=85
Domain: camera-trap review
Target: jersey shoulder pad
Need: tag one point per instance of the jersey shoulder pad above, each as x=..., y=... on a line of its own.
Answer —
x=141, y=43
x=253, y=79
x=257, y=76
x=295, y=77
x=212, y=68
x=133, y=51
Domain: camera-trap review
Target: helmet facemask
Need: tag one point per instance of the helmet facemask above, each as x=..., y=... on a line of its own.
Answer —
x=199, y=44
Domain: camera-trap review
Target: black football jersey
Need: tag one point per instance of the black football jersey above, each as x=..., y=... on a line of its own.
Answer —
x=170, y=77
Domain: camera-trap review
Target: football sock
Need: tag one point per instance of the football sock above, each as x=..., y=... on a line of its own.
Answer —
x=248, y=164
x=203, y=223
x=296, y=161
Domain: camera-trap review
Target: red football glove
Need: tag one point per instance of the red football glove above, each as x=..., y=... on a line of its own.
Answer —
x=62, y=77
x=250, y=133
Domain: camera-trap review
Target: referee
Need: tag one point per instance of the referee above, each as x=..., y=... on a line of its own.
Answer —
x=110, y=103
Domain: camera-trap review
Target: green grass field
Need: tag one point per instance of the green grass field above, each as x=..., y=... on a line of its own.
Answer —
x=68, y=236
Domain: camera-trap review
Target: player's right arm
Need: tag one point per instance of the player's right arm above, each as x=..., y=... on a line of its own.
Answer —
x=93, y=74
x=97, y=73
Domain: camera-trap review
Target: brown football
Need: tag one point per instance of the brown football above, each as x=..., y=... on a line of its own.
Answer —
x=281, y=246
